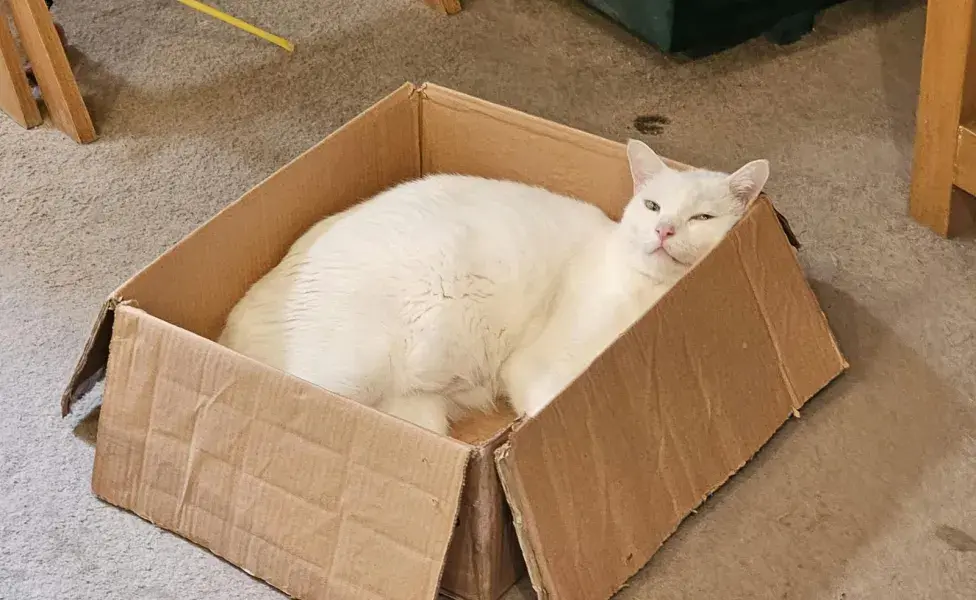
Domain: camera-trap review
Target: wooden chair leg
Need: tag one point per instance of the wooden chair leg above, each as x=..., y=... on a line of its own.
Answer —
x=59, y=89
x=450, y=7
x=946, y=101
x=15, y=94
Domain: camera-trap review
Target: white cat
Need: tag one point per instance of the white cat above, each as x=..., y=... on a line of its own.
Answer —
x=674, y=219
x=412, y=301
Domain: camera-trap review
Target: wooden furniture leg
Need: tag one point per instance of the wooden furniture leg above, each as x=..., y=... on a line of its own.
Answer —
x=450, y=7
x=945, y=143
x=15, y=94
x=58, y=86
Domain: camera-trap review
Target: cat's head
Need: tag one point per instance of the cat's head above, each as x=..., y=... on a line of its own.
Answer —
x=676, y=217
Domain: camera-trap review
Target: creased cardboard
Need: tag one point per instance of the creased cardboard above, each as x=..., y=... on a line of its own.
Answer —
x=323, y=497
x=320, y=496
x=678, y=404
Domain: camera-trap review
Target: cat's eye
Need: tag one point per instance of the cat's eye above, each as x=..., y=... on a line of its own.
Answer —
x=702, y=217
x=652, y=205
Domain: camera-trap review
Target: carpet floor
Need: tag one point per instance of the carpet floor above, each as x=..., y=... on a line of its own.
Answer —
x=870, y=494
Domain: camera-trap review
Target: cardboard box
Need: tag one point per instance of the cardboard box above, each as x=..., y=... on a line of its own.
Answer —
x=325, y=498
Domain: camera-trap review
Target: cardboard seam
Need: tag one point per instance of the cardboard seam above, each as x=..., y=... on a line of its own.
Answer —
x=421, y=93
x=510, y=481
x=442, y=560
x=340, y=513
x=200, y=542
x=186, y=534
x=474, y=532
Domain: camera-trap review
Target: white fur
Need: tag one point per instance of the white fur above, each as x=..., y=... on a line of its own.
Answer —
x=435, y=297
x=410, y=301
x=619, y=275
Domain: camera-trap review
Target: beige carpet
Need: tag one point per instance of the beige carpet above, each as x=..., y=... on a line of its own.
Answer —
x=869, y=495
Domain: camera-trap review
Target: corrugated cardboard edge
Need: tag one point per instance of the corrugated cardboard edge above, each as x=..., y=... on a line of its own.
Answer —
x=91, y=362
x=457, y=510
x=514, y=494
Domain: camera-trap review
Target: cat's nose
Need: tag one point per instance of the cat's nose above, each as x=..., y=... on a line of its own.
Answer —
x=665, y=231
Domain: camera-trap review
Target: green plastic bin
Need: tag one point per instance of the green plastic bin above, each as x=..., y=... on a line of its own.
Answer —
x=700, y=27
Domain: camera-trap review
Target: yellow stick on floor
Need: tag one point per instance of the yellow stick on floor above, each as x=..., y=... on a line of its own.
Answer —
x=213, y=12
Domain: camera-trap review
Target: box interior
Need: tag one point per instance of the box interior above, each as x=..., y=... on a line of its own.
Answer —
x=580, y=550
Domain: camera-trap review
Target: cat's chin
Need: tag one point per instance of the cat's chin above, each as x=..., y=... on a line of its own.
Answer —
x=658, y=264
x=661, y=255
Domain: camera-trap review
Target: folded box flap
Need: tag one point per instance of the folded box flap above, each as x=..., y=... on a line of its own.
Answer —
x=602, y=476
x=91, y=363
x=318, y=495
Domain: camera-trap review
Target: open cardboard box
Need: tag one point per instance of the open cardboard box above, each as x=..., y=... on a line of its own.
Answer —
x=325, y=498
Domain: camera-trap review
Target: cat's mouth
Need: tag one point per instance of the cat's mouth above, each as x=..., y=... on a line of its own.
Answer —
x=663, y=252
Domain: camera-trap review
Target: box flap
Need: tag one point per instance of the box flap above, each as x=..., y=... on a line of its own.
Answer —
x=318, y=495
x=375, y=150
x=603, y=475
x=91, y=364
x=463, y=134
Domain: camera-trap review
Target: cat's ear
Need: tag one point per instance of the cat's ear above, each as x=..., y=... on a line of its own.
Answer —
x=644, y=163
x=747, y=182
